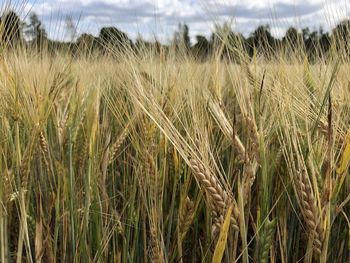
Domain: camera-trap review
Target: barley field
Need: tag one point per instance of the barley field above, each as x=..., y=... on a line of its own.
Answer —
x=161, y=158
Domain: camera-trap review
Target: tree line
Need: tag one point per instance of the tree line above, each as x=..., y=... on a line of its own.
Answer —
x=223, y=40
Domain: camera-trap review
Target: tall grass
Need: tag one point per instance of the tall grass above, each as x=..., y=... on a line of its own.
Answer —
x=141, y=158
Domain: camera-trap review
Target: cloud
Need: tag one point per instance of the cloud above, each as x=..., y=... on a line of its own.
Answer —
x=101, y=10
x=161, y=17
x=280, y=9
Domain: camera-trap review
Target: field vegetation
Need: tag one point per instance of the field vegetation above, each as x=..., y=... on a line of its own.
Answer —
x=154, y=156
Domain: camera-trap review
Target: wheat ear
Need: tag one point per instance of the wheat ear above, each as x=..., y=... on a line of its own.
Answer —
x=186, y=217
x=210, y=184
x=310, y=211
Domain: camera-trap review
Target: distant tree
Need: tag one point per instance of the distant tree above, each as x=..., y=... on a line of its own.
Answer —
x=154, y=48
x=181, y=40
x=292, y=42
x=324, y=42
x=10, y=29
x=186, y=36
x=35, y=31
x=262, y=41
x=228, y=43
x=142, y=45
x=202, y=41
x=86, y=44
x=292, y=37
x=202, y=48
x=305, y=33
x=342, y=31
x=220, y=35
x=112, y=37
x=311, y=43
x=341, y=37
x=316, y=43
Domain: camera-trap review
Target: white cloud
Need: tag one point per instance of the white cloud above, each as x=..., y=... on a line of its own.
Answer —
x=161, y=17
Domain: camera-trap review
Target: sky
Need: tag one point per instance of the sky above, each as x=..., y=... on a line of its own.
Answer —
x=160, y=18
